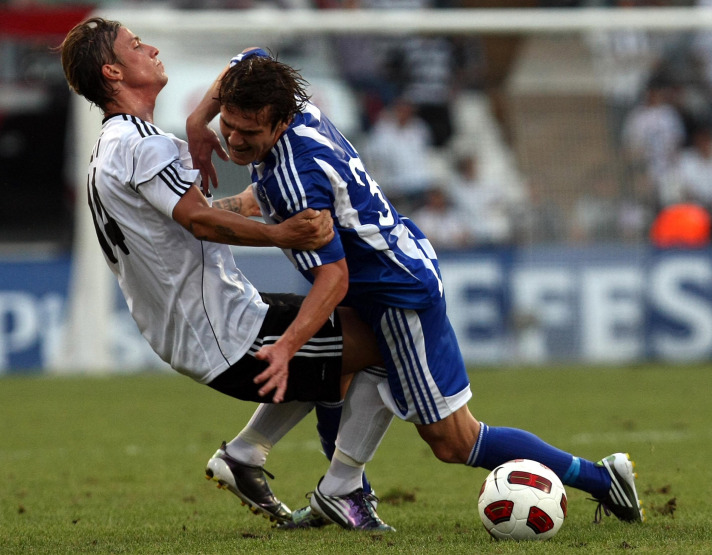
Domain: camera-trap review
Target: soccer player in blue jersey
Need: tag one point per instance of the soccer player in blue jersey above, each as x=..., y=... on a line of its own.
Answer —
x=381, y=264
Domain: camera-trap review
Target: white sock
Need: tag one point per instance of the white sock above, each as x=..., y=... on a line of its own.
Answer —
x=343, y=476
x=364, y=421
x=365, y=418
x=268, y=425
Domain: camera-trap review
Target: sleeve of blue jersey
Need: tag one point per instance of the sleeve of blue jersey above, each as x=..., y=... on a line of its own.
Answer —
x=333, y=251
x=320, y=196
x=257, y=52
x=318, y=199
x=306, y=260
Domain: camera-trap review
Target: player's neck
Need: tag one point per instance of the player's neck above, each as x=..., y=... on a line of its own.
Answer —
x=135, y=105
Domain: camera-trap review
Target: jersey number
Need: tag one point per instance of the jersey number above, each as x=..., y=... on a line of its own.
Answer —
x=385, y=217
x=109, y=232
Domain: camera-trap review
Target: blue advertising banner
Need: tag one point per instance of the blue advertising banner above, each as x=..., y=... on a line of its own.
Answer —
x=530, y=306
x=592, y=305
x=32, y=298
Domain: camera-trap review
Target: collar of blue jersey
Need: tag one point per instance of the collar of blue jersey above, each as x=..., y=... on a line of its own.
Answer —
x=249, y=54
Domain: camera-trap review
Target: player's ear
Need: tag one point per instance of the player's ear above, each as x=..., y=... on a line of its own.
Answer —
x=111, y=72
x=282, y=127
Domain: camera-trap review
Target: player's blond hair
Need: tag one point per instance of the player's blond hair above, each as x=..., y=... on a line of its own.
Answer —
x=85, y=50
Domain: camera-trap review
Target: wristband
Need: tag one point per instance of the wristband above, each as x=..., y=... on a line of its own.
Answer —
x=249, y=54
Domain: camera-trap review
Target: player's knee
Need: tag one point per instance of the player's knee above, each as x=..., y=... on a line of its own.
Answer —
x=453, y=438
x=448, y=451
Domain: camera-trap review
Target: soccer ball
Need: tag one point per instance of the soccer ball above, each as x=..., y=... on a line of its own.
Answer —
x=522, y=500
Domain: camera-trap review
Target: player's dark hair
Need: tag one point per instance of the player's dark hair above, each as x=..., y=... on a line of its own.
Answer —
x=257, y=83
x=85, y=49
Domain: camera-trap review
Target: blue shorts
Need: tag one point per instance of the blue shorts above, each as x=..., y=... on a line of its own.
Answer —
x=427, y=377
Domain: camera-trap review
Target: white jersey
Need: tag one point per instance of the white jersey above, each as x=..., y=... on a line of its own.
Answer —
x=190, y=301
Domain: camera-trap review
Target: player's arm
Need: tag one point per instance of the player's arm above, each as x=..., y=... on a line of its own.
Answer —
x=243, y=203
x=331, y=282
x=307, y=230
x=202, y=140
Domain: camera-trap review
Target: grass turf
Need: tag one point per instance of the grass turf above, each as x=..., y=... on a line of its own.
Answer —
x=115, y=465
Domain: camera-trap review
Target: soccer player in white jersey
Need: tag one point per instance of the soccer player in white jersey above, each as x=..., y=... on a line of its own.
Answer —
x=298, y=159
x=168, y=248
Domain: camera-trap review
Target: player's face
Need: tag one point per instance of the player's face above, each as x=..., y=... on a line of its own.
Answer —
x=249, y=135
x=138, y=62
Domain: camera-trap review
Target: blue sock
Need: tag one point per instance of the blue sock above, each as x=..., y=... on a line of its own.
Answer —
x=589, y=477
x=327, y=425
x=497, y=445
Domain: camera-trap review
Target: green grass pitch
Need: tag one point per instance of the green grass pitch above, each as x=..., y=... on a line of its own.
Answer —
x=115, y=465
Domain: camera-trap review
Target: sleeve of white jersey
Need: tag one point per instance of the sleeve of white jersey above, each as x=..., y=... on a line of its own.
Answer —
x=159, y=174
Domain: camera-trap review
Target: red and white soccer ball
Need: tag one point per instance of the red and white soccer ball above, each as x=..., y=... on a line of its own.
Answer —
x=522, y=500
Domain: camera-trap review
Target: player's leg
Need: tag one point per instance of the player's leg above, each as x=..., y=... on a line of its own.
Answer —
x=611, y=480
x=328, y=417
x=340, y=496
x=364, y=418
x=360, y=351
x=268, y=425
x=451, y=439
x=238, y=466
x=446, y=424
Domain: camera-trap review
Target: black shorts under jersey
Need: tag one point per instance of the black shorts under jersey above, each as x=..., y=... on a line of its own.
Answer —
x=314, y=372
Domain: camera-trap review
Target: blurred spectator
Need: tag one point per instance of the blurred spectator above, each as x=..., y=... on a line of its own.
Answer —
x=488, y=206
x=427, y=70
x=623, y=59
x=653, y=133
x=596, y=213
x=542, y=221
x=637, y=210
x=701, y=50
x=691, y=176
x=603, y=214
x=363, y=63
x=397, y=153
x=424, y=69
x=444, y=223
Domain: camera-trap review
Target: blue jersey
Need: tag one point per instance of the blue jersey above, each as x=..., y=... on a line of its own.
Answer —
x=390, y=260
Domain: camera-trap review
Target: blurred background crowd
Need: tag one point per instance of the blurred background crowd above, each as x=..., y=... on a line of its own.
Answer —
x=484, y=141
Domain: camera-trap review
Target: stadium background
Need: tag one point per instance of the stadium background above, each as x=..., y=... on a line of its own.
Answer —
x=567, y=269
